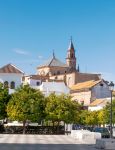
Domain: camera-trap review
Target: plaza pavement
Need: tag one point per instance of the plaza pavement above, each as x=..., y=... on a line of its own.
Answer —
x=41, y=142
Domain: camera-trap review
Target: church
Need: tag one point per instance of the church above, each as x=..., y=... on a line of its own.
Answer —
x=68, y=72
x=59, y=77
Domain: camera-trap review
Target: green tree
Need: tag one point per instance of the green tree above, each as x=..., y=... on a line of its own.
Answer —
x=92, y=118
x=4, y=98
x=83, y=116
x=26, y=104
x=101, y=117
x=107, y=112
x=70, y=109
x=89, y=117
x=61, y=108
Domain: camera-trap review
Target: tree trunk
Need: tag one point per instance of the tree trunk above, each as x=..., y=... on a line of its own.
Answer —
x=58, y=128
x=24, y=126
x=64, y=127
x=53, y=127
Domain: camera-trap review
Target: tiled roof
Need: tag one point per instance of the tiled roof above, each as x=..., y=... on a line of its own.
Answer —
x=54, y=80
x=82, y=77
x=43, y=78
x=35, y=77
x=85, y=85
x=9, y=68
x=98, y=102
x=38, y=77
x=53, y=62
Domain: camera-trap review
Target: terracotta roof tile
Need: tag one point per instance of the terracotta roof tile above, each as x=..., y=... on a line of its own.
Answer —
x=85, y=85
x=35, y=77
x=9, y=68
x=98, y=102
x=43, y=78
x=82, y=77
x=53, y=62
x=38, y=77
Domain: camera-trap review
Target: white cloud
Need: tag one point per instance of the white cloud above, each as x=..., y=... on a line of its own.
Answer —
x=40, y=57
x=20, y=51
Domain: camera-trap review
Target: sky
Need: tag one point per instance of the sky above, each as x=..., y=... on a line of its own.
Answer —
x=30, y=30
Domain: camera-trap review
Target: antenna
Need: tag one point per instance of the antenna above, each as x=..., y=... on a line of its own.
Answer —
x=53, y=54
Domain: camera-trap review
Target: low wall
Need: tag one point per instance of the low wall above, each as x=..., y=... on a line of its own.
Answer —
x=85, y=136
x=108, y=144
x=32, y=130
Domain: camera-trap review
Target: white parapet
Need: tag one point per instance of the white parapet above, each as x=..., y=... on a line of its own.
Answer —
x=105, y=144
x=85, y=136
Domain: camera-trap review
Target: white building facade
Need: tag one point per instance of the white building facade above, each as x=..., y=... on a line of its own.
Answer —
x=47, y=86
x=11, y=76
x=53, y=87
x=98, y=104
x=87, y=92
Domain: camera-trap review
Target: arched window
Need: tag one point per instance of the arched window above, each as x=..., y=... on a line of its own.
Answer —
x=6, y=84
x=37, y=83
x=12, y=85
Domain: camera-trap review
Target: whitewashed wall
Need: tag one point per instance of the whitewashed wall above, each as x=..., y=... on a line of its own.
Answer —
x=50, y=87
x=33, y=82
x=17, y=78
x=30, y=81
x=100, y=91
x=82, y=97
x=95, y=108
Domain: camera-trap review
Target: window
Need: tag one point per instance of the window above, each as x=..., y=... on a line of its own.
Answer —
x=6, y=84
x=55, y=77
x=12, y=85
x=58, y=72
x=101, y=84
x=37, y=83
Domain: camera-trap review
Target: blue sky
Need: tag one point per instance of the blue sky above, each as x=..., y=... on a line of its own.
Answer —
x=31, y=29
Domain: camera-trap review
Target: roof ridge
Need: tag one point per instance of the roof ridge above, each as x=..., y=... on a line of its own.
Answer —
x=51, y=61
x=99, y=101
x=86, y=84
x=10, y=68
x=54, y=62
x=16, y=67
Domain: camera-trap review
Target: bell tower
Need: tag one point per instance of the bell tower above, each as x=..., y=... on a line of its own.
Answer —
x=71, y=59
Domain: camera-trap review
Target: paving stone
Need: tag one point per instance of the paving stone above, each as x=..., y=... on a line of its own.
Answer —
x=41, y=142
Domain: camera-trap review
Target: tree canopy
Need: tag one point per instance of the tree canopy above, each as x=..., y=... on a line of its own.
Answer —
x=107, y=112
x=4, y=98
x=61, y=108
x=89, y=117
x=26, y=104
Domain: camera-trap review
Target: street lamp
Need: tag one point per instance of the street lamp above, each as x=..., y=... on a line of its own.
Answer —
x=111, y=87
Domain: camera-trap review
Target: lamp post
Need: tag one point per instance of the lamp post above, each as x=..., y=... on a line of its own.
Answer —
x=111, y=87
